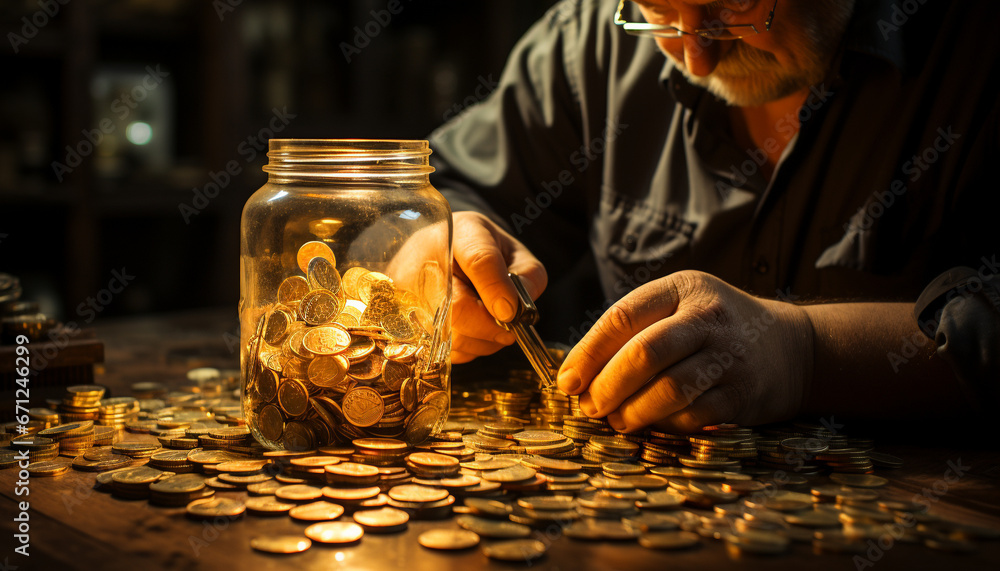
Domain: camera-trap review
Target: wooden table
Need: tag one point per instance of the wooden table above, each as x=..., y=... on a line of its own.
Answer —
x=74, y=526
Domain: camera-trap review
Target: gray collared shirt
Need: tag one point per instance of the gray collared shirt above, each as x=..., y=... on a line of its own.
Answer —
x=594, y=149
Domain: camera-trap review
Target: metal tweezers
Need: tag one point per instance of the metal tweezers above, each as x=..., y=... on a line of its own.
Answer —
x=522, y=326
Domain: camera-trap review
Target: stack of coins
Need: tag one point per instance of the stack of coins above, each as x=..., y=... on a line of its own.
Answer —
x=602, y=449
x=554, y=406
x=380, y=451
x=116, y=412
x=135, y=449
x=546, y=443
x=663, y=449
x=39, y=448
x=74, y=438
x=512, y=404
x=45, y=416
x=179, y=490
x=337, y=358
x=81, y=402
x=172, y=461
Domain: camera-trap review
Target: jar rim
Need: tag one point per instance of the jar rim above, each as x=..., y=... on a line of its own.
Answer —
x=348, y=157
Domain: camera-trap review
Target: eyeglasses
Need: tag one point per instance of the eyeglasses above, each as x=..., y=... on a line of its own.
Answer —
x=713, y=32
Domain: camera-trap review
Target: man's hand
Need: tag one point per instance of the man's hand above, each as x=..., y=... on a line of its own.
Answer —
x=687, y=351
x=484, y=254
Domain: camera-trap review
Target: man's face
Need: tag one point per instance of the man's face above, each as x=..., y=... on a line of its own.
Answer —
x=757, y=68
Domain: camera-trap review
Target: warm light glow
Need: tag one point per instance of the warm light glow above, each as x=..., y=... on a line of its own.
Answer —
x=339, y=556
x=139, y=133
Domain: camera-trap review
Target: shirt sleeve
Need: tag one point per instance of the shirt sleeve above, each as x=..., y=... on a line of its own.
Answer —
x=508, y=156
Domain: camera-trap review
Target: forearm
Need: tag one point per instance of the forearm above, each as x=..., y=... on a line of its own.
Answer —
x=870, y=359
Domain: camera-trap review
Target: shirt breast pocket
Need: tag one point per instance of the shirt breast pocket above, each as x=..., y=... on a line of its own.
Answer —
x=645, y=243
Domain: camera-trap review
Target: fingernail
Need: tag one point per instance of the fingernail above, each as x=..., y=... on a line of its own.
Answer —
x=503, y=310
x=505, y=338
x=568, y=381
x=587, y=405
x=616, y=422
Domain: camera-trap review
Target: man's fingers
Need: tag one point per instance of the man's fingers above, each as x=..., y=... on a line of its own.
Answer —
x=717, y=405
x=470, y=318
x=532, y=272
x=670, y=393
x=478, y=254
x=459, y=357
x=654, y=349
x=625, y=319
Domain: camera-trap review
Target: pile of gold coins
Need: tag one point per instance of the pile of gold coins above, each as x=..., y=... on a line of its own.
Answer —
x=515, y=482
x=337, y=358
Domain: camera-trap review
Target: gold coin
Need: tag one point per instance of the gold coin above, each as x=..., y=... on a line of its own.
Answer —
x=293, y=397
x=311, y=250
x=317, y=511
x=326, y=340
x=267, y=385
x=448, y=539
x=211, y=508
x=47, y=468
x=388, y=445
x=398, y=327
x=515, y=550
x=298, y=493
x=318, y=307
x=360, y=348
x=408, y=393
x=268, y=505
x=402, y=352
x=349, y=281
x=271, y=423
x=432, y=460
x=283, y=544
x=241, y=466
x=367, y=369
x=417, y=494
x=383, y=520
x=328, y=371
x=339, y=532
x=349, y=470
x=394, y=373
x=420, y=424
x=323, y=275
x=292, y=289
x=276, y=326
x=374, y=285
x=363, y=406
x=351, y=494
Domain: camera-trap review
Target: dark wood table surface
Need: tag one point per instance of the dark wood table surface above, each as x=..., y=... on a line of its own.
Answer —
x=74, y=526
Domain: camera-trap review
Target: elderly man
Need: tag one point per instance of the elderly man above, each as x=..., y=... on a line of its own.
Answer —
x=828, y=152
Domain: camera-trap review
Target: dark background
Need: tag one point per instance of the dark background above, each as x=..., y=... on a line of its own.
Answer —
x=231, y=63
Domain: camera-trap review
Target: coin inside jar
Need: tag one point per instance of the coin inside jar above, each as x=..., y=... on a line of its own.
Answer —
x=328, y=371
x=272, y=423
x=327, y=340
x=293, y=397
x=314, y=249
x=363, y=406
x=319, y=306
x=292, y=289
x=323, y=275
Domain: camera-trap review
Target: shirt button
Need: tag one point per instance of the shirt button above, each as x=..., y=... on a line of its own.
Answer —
x=761, y=265
x=630, y=242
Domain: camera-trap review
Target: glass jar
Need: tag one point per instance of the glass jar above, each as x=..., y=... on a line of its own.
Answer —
x=345, y=295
